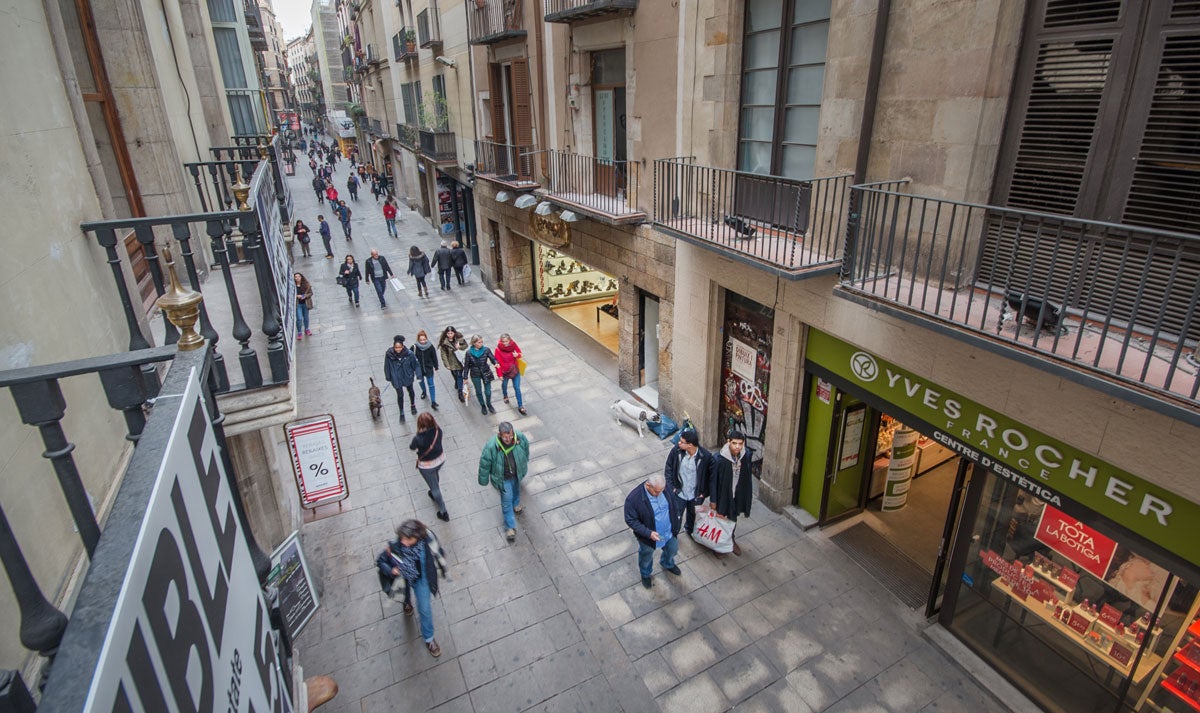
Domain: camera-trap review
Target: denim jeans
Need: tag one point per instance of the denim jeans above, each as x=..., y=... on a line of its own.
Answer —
x=424, y=601
x=346, y=228
x=352, y=292
x=444, y=278
x=427, y=387
x=510, y=498
x=646, y=556
x=433, y=480
x=516, y=382
x=483, y=391
x=391, y=224
x=380, y=286
x=301, y=317
x=458, y=380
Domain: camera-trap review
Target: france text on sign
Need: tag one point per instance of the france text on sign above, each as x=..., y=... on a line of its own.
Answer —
x=191, y=631
x=1077, y=542
x=317, y=460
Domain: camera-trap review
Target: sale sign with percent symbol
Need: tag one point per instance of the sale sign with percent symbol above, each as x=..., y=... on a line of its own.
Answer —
x=317, y=460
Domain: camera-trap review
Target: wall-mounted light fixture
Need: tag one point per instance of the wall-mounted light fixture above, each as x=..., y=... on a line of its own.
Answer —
x=544, y=208
x=503, y=197
x=569, y=216
x=526, y=200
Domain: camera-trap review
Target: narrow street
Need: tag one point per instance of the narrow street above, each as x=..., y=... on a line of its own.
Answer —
x=558, y=620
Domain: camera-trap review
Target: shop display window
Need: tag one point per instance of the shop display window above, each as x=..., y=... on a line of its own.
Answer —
x=1080, y=621
x=561, y=279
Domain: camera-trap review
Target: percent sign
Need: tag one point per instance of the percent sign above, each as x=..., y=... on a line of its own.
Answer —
x=319, y=468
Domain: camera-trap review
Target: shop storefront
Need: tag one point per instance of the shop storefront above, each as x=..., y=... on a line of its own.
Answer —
x=1075, y=579
x=578, y=293
x=746, y=372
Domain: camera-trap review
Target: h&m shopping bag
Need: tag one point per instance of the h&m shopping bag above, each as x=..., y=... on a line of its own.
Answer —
x=713, y=531
x=396, y=284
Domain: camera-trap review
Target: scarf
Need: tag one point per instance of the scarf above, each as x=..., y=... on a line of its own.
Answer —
x=477, y=352
x=409, y=561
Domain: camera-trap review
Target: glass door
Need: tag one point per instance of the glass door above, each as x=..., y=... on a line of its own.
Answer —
x=844, y=492
x=962, y=481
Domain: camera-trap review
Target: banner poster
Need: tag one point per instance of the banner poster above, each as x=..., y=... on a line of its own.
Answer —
x=900, y=469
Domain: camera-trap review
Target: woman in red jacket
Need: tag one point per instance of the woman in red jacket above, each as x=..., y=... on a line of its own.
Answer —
x=389, y=217
x=507, y=353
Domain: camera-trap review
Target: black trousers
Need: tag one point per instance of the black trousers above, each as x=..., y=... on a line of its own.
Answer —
x=412, y=399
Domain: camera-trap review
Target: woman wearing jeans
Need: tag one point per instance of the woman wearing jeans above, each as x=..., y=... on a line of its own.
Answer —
x=476, y=364
x=507, y=354
x=428, y=445
x=303, y=304
x=416, y=558
x=350, y=275
x=449, y=344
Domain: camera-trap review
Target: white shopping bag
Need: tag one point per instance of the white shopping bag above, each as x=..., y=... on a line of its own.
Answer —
x=466, y=272
x=466, y=392
x=396, y=284
x=712, y=531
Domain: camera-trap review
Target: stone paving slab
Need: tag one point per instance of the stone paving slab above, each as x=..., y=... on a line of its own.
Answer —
x=558, y=621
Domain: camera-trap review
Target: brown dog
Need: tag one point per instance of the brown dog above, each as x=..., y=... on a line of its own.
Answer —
x=373, y=400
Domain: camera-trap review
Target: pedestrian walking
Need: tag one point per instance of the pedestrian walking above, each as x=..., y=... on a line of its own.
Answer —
x=378, y=272
x=476, y=366
x=450, y=345
x=312, y=163
x=352, y=186
x=348, y=277
x=508, y=357
x=318, y=184
x=731, y=488
x=427, y=358
x=418, y=267
x=458, y=260
x=687, y=473
x=399, y=368
x=416, y=558
x=304, y=295
x=343, y=214
x=375, y=187
x=653, y=515
x=444, y=261
x=300, y=232
x=389, y=217
x=326, y=235
x=430, y=457
x=331, y=194
x=503, y=464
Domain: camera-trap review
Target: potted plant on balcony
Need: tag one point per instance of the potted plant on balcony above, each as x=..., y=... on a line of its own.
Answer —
x=410, y=41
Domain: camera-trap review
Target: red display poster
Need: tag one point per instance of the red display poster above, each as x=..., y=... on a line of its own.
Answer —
x=1079, y=623
x=1077, y=542
x=1068, y=577
x=1110, y=616
x=1120, y=653
x=317, y=460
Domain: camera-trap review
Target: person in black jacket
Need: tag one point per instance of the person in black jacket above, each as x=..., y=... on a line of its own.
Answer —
x=427, y=360
x=687, y=473
x=654, y=517
x=399, y=368
x=348, y=277
x=415, y=557
x=444, y=260
x=378, y=271
x=458, y=260
x=430, y=457
x=731, y=486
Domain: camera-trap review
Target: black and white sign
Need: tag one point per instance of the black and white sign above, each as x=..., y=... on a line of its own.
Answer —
x=297, y=596
x=191, y=632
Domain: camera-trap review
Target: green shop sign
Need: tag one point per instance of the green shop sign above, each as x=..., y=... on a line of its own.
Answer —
x=1030, y=459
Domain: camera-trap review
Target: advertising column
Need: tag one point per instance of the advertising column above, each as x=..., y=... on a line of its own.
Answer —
x=900, y=469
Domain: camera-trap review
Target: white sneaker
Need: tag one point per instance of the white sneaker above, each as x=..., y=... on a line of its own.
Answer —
x=519, y=509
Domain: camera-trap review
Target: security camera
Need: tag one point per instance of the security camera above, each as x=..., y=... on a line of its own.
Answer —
x=446, y=61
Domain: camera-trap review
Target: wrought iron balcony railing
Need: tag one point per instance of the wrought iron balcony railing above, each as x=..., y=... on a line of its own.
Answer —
x=429, y=26
x=403, y=47
x=1103, y=301
x=373, y=54
x=505, y=163
x=439, y=145
x=608, y=190
x=408, y=135
x=793, y=227
x=576, y=10
x=492, y=21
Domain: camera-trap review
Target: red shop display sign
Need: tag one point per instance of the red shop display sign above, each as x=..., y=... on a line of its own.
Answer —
x=1077, y=542
x=1079, y=623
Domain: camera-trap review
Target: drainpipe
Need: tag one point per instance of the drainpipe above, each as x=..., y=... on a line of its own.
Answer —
x=866, y=131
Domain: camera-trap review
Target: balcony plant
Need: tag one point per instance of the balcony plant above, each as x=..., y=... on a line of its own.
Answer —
x=356, y=109
x=434, y=113
x=410, y=41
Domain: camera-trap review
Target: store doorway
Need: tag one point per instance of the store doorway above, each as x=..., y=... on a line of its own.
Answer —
x=497, y=261
x=578, y=293
x=648, y=330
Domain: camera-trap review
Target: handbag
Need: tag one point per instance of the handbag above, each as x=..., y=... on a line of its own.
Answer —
x=341, y=281
x=521, y=366
x=714, y=531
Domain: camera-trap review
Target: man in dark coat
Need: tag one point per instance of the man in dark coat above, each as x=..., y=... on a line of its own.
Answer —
x=458, y=260
x=378, y=271
x=400, y=367
x=654, y=517
x=731, y=486
x=687, y=473
x=444, y=261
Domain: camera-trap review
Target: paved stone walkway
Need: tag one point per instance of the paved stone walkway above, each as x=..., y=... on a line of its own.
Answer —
x=559, y=621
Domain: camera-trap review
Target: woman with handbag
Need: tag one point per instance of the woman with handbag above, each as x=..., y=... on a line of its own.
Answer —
x=418, y=267
x=348, y=277
x=449, y=345
x=508, y=366
x=414, y=557
x=303, y=305
x=476, y=364
x=300, y=232
x=430, y=457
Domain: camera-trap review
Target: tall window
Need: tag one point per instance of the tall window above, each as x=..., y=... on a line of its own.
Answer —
x=441, y=115
x=783, y=75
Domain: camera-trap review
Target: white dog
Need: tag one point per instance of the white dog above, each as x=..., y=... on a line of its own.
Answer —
x=633, y=414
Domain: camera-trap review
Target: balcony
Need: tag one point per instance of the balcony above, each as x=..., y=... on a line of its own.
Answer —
x=373, y=57
x=408, y=135
x=790, y=227
x=605, y=190
x=1110, y=306
x=439, y=146
x=493, y=21
x=404, y=44
x=576, y=10
x=254, y=26
x=506, y=164
x=429, y=27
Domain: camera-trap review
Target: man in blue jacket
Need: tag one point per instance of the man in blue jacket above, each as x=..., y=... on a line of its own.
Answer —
x=654, y=516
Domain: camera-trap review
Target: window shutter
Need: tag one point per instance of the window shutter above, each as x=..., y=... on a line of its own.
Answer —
x=522, y=115
x=496, y=94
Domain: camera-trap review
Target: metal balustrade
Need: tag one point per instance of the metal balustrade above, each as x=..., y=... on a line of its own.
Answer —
x=1117, y=303
x=505, y=163
x=439, y=145
x=429, y=26
x=791, y=226
x=595, y=185
x=576, y=10
x=492, y=21
x=401, y=44
x=408, y=136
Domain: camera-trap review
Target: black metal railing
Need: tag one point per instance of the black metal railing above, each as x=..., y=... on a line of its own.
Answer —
x=408, y=135
x=1115, y=300
x=223, y=311
x=429, y=26
x=608, y=187
x=404, y=44
x=789, y=224
x=505, y=162
x=573, y=10
x=372, y=54
x=214, y=180
x=491, y=21
x=275, y=150
x=438, y=145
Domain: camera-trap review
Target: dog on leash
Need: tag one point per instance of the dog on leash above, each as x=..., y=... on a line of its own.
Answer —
x=373, y=400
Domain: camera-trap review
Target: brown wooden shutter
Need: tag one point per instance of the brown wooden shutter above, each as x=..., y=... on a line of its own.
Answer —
x=496, y=92
x=522, y=112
